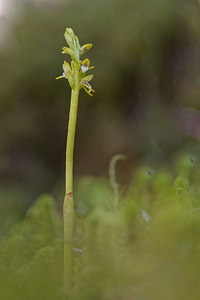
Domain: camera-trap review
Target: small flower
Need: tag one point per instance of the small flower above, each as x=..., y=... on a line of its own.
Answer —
x=84, y=68
x=67, y=71
x=86, y=65
x=85, y=48
x=86, y=86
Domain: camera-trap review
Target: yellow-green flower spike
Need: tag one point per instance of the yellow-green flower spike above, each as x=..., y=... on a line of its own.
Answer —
x=78, y=68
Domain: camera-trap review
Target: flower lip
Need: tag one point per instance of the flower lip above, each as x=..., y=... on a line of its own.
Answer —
x=89, y=87
x=84, y=68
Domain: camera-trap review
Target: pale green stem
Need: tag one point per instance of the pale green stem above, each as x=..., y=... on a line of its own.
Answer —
x=68, y=206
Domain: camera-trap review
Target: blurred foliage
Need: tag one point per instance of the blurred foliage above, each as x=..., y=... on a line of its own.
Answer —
x=147, y=65
x=118, y=254
x=30, y=251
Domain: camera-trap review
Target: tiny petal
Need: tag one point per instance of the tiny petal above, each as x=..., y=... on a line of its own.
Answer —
x=84, y=68
x=87, y=91
x=59, y=77
x=89, y=87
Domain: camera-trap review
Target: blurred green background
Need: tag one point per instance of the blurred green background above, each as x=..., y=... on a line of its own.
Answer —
x=147, y=71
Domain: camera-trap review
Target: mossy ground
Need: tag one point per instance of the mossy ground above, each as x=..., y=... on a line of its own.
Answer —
x=149, y=248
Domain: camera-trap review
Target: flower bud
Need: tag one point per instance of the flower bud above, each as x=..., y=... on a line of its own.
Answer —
x=70, y=37
x=85, y=48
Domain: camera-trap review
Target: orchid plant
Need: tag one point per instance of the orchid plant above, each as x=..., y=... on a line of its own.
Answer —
x=75, y=73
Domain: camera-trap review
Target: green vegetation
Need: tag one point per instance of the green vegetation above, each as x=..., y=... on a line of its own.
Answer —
x=148, y=248
x=136, y=234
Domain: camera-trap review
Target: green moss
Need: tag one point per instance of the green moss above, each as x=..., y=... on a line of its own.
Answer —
x=120, y=254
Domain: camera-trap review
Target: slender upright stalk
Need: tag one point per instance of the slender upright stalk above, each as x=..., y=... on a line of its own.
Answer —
x=68, y=206
x=75, y=74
